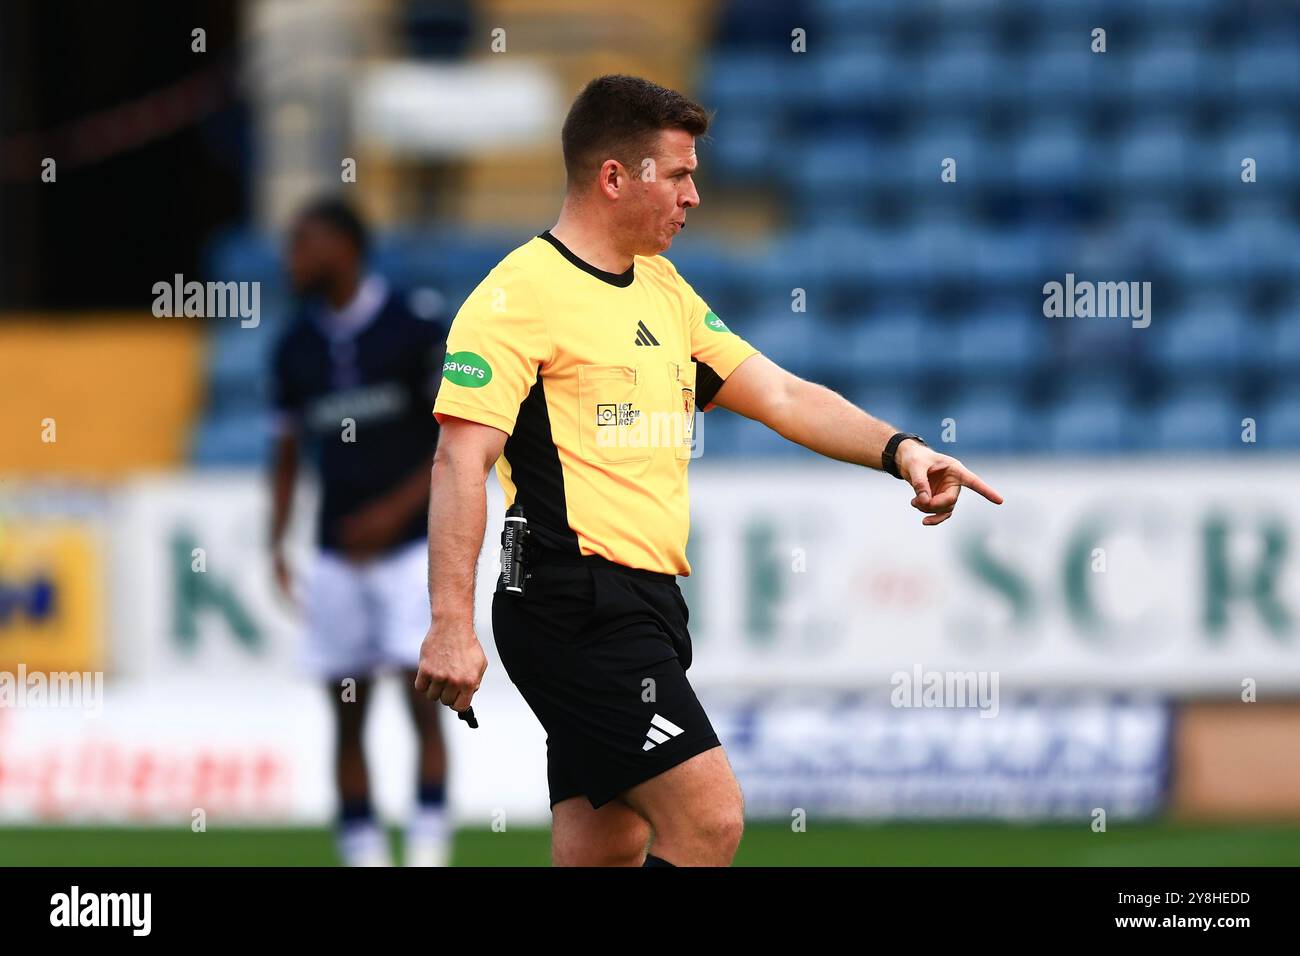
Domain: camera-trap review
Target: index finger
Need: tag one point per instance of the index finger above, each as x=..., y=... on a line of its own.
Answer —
x=975, y=483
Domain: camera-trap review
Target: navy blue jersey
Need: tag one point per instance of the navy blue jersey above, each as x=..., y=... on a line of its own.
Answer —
x=382, y=378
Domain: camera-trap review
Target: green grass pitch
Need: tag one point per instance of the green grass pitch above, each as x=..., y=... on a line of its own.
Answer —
x=914, y=844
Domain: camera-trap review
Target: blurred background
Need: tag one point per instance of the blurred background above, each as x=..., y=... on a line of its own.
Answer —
x=887, y=189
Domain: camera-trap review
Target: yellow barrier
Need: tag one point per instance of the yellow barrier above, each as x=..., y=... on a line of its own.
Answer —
x=98, y=395
x=51, y=601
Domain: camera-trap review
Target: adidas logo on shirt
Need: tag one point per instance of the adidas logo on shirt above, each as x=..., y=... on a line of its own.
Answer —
x=643, y=336
x=661, y=729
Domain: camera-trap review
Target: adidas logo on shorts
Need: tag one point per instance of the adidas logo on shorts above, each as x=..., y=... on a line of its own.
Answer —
x=661, y=729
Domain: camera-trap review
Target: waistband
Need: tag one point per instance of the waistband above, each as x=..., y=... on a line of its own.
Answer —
x=536, y=555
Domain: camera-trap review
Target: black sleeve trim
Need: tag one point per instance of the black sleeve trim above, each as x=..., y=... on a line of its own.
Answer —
x=707, y=383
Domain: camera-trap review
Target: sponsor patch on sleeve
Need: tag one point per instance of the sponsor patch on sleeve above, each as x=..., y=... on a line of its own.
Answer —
x=467, y=368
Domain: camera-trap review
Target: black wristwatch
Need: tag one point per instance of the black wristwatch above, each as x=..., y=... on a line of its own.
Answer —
x=887, y=456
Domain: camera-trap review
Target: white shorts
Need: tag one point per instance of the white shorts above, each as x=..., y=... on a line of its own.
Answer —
x=362, y=618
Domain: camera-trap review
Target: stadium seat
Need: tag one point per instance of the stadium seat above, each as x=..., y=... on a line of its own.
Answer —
x=1172, y=67
x=745, y=147
x=842, y=79
x=1059, y=14
x=842, y=167
x=1267, y=138
x=754, y=439
x=1182, y=12
x=719, y=434
x=1094, y=424
x=750, y=24
x=993, y=418
x=894, y=405
x=1200, y=254
x=1280, y=347
x=734, y=80
x=236, y=439
x=1153, y=156
x=953, y=78
x=1278, y=424
x=976, y=154
x=1062, y=72
x=836, y=13
x=1000, y=341
x=965, y=11
x=1051, y=153
x=806, y=260
x=1196, y=419
x=240, y=256
x=792, y=339
x=1266, y=71
x=1262, y=246
x=1211, y=336
x=890, y=347
x=1007, y=257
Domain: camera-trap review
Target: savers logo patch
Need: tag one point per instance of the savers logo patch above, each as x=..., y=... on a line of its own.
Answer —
x=715, y=323
x=467, y=368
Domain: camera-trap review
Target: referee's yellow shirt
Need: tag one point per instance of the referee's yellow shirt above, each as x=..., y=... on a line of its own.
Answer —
x=595, y=377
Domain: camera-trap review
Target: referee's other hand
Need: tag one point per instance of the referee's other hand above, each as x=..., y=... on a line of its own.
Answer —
x=937, y=480
x=451, y=665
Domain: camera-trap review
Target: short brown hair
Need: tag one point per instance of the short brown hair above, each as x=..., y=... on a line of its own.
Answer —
x=618, y=117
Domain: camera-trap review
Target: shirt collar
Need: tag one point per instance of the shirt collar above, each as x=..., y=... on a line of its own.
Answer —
x=346, y=322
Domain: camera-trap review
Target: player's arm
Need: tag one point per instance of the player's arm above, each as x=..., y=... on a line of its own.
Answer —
x=286, y=422
x=825, y=422
x=495, y=350
x=373, y=528
x=284, y=472
x=451, y=659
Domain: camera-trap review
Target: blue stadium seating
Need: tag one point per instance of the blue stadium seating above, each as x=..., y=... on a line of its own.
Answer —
x=1202, y=419
x=1266, y=70
x=1004, y=344
x=1281, y=347
x=232, y=439
x=1176, y=70
x=1154, y=155
x=957, y=77
x=993, y=418
x=1053, y=152
x=894, y=405
x=1267, y=138
x=1122, y=166
x=1101, y=424
x=1209, y=338
x=1278, y=424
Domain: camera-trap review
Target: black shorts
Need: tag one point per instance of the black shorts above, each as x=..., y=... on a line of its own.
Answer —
x=600, y=651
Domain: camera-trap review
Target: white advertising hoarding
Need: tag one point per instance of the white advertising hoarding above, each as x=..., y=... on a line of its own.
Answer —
x=1154, y=576
x=815, y=587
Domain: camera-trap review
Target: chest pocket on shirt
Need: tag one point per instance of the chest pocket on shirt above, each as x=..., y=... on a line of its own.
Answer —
x=682, y=377
x=610, y=416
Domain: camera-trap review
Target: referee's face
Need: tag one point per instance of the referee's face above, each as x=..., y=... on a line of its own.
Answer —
x=658, y=210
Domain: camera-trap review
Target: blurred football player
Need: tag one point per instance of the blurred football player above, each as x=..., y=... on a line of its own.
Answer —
x=355, y=375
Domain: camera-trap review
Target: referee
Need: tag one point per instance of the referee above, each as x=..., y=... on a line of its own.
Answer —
x=562, y=368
